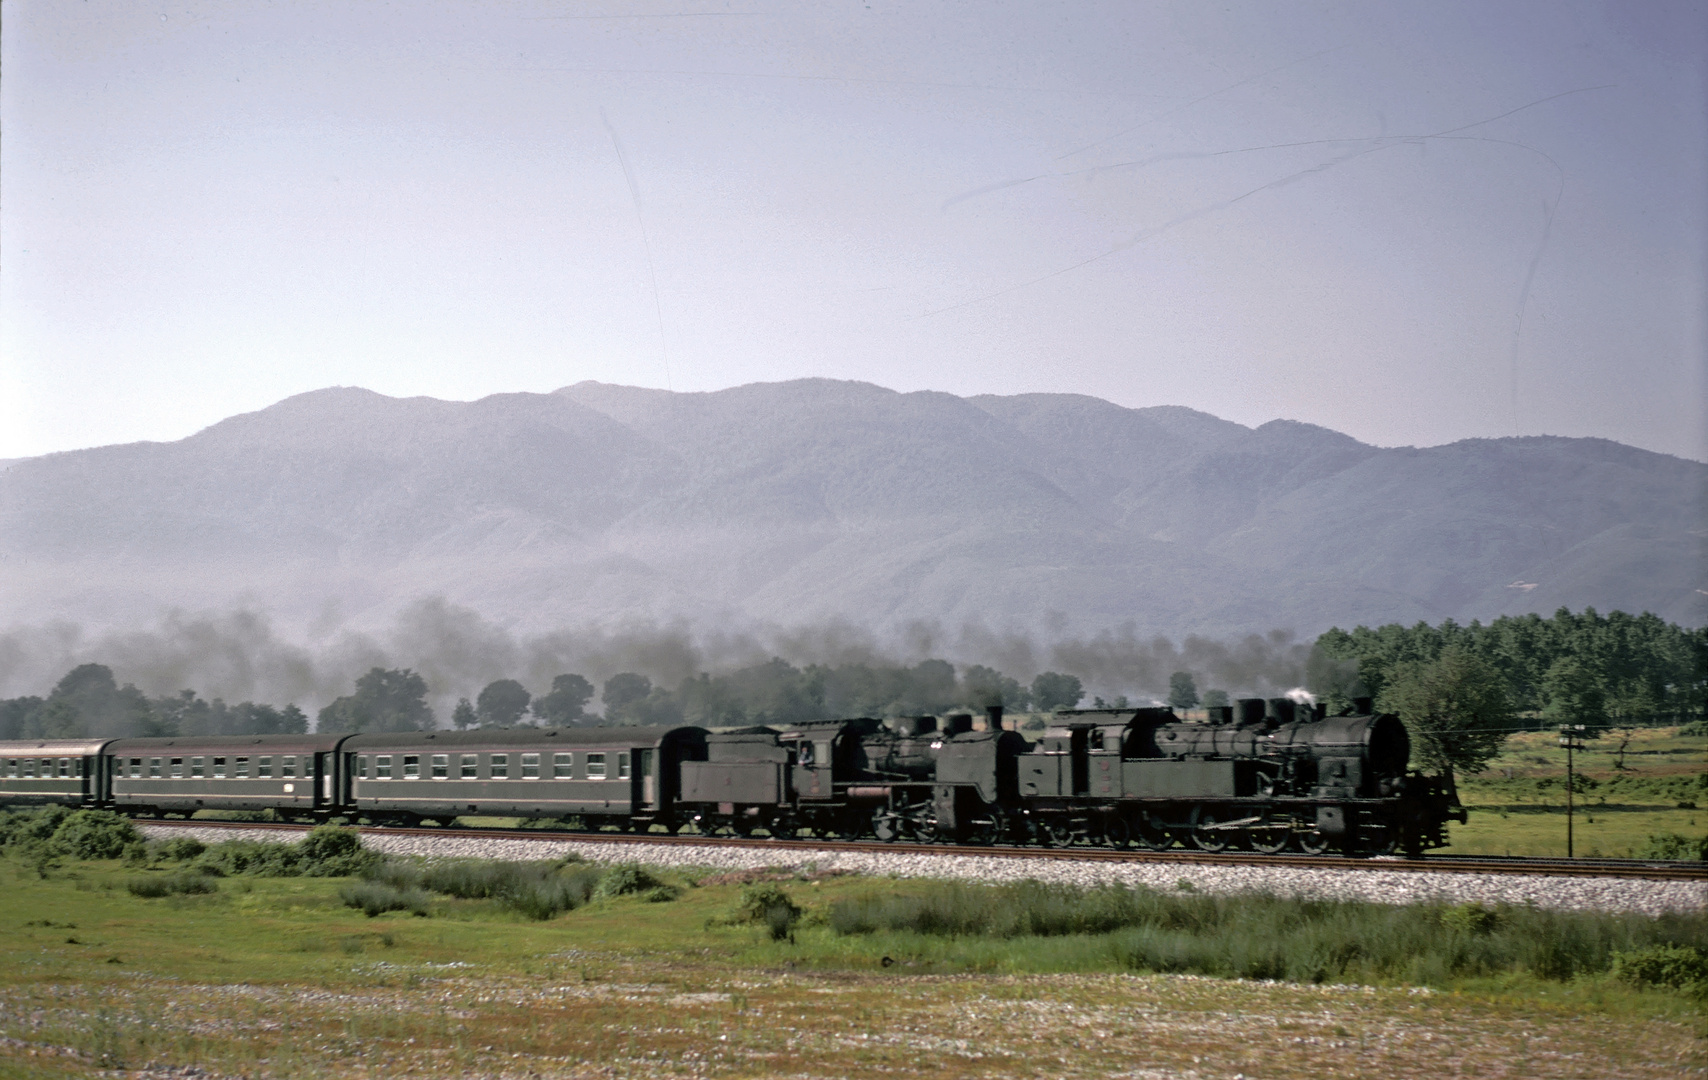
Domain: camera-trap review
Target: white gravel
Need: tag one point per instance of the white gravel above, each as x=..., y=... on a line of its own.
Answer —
x=1650, y=897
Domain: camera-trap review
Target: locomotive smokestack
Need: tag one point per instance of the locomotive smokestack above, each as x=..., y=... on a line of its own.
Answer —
x=1363, y=706
x=1281, y=710
x=993, y=717
x=1251, y=710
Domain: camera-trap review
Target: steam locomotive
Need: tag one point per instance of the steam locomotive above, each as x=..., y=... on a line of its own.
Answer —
x=1263, y=776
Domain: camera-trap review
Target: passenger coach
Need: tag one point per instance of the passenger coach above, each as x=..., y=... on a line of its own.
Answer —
x=603, y=776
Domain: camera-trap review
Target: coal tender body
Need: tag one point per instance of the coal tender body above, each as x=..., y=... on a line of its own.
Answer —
x=1265, y=776
x=914, y=778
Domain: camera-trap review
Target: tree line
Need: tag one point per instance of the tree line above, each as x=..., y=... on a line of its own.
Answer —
x=1462, y=689
x=89, y=703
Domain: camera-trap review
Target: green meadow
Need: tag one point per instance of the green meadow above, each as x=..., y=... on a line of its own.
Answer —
x=173, y=957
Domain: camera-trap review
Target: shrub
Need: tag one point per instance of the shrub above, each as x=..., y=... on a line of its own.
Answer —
x=255, y=857
x=537, y=890
x=1470, y=918
x=376, y=898
x=330, y=851
x=178, y=849
x=767, y=903
x=1674, y=846
x=181, y=883
x=95, y=834
x=630, y=880
x=1677, y=966
x=23, y=826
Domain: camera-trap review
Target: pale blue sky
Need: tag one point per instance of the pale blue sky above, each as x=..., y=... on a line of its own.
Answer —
x=1410, y=222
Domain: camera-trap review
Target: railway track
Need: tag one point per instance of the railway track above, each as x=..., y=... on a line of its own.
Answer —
x=1450, y=864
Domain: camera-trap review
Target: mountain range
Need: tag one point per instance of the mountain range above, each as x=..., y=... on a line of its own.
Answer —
x=799, y=502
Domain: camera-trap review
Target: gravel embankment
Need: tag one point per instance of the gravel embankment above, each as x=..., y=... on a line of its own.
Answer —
x=1378, y=886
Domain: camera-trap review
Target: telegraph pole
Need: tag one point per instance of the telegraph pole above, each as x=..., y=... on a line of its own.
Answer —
x=1571, y=737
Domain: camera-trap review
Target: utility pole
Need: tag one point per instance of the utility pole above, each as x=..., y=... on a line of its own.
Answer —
x=1571, y=737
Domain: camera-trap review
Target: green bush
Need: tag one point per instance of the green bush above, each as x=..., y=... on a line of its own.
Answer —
x=537, y=890
x=632, y=880
x=95, y=834
x=177, y=849
x=22, y=827
x=1676, y=966
x=768, y=904
x=181, y=883
x=376, y=898
x=1674, y=846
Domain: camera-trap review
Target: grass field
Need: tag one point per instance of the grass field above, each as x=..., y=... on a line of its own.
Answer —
x=1518, y=805
x=276, y=977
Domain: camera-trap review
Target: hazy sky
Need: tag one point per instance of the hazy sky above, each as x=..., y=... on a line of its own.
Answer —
x=1410, y=222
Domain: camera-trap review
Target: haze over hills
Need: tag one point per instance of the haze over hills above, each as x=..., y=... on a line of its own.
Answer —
x=793, y=503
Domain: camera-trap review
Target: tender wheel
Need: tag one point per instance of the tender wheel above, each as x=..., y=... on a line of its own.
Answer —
x=1117, y=833
x=1271, y=837
x=1060, y=833
x=1205, y=837
x=1313, y=843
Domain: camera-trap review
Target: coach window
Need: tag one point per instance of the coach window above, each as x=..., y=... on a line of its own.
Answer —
x=196, y=766
x=11, y=766
x=264, y=767
x=154, y=768
x=136, y=768
x=412, y=766
x=362, y=767
x=623, y=765
x=219, y=768
x=595, y=766
x=65, y=766
x=382, y=767
x=441, y=766
x=563, y=766
x=530, y=766
x=500, y=766
x=240, y=768
x=288, y=765
x=29, y=766
x=471, y=766
x=177, y=768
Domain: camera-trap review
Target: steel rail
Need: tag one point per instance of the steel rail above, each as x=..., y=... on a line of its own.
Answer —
x=1450, y=864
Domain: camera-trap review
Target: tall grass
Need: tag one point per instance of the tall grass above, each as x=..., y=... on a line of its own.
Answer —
x=1258, y=936
x=537, y=890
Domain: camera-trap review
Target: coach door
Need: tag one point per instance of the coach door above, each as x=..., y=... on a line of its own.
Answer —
x=649, y=781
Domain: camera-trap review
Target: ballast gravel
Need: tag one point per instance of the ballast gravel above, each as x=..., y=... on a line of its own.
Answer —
x=1647, y=896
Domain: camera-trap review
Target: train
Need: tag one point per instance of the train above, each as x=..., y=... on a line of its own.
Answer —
x=1261, y=775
